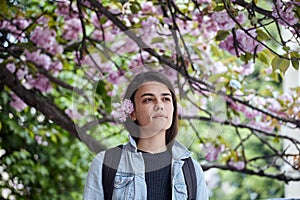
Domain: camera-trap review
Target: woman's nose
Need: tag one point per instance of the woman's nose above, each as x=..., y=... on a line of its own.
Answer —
x=158, y=106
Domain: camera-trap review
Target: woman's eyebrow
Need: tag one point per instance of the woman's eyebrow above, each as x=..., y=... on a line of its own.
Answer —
x=147, y=94
x=150, y=94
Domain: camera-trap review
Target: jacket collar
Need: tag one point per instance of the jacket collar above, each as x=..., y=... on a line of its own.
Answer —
x=179, y=151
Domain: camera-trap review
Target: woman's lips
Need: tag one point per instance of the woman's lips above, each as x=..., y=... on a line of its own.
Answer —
x=160, y=116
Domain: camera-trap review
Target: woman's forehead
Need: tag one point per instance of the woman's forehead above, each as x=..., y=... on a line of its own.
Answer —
x=149, y=86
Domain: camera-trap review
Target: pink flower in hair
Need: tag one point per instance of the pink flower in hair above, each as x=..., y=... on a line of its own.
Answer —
x=122, y=110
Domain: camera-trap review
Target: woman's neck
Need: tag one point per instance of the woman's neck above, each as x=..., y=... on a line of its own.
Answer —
x=153, y=144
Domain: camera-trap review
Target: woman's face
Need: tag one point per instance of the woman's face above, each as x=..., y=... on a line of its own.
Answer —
x=153, y=108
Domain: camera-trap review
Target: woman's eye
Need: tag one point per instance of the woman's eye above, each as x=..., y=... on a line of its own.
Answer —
x=147, y=100
x=166, y=99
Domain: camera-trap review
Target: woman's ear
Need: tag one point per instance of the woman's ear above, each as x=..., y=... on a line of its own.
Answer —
x=133, y=116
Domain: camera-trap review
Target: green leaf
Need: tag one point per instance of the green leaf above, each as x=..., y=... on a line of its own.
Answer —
x=280, y=63
x=157, y=40
x=246, y=57
x=261, y=57
x=221, y=35
x=295, y=57
x=286, y=48
x=219, y=8
x=53, y=138
x=100, y=90
x=4, y=9
x=262, y=36
x=295, y=63
x=215, y=77
x=135, y=7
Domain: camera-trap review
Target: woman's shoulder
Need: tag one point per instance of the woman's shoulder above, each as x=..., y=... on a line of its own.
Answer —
x=197, y=165
x=113, y=150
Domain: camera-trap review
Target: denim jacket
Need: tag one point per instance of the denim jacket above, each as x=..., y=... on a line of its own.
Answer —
x=130, y=180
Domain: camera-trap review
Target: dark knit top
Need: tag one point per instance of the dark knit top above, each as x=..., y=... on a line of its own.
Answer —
x=158, y=175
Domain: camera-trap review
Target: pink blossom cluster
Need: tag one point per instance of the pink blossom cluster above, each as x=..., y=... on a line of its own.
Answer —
x=15, y=27
x=208, y=28
x=46, y=38
x=40, y=59
x=245, y=69
x=138, y=60
x=17, y=103
x=279, y=104
x=225, y=22
x=72, y=29
x=72, y=26
x=239, y=165
x=122, y=110
x=108, y=35
x=39, y=82
x=257, y=119
x=284, y=13
x=43, y=60
x=63, y=8
x=115, y=76
x=203, y=1
x=147, y=7
x=241, y=43
x=212, y=151
x=266, y=126
x=249, y=113
x=40, y=141
x=73, y=113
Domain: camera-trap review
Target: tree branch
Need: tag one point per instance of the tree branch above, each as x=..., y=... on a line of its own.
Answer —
x=34, y=99
x=280, y=176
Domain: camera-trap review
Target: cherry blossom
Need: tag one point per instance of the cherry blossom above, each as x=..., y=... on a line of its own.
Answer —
x=40, y=82
x=73, y=113
x=22, y=72
x=114, y=76
x=45, y=37
x=42, y=60
x=72, y=29
x=246, y=69
x=203, y=1
x=148, y=8
x=17, y=103
x=245, y=43
x=284, y=12
x=40, y=141
x=239, y=165
x=225, y=22
x=11, y=67
x=262, y=125
x=21, y=23
x=213, y=151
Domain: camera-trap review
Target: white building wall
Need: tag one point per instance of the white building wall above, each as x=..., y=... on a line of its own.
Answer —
x=292, y=189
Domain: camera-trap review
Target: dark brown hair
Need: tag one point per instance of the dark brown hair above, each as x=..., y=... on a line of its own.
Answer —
x=144, y=77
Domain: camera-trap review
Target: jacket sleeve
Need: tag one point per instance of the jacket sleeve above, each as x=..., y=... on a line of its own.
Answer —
x=202, y=193
x=93, y=186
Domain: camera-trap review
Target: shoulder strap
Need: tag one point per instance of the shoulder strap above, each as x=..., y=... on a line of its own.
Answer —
x=190, y=178
x=109, y=169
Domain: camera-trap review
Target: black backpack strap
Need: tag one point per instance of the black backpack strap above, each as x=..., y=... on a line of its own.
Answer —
x=190, y=178
x=109, y=169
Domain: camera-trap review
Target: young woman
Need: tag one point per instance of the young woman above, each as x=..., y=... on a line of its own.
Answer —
x=151, y=163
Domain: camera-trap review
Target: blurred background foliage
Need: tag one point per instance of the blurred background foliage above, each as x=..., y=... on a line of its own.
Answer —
x=40, y=160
